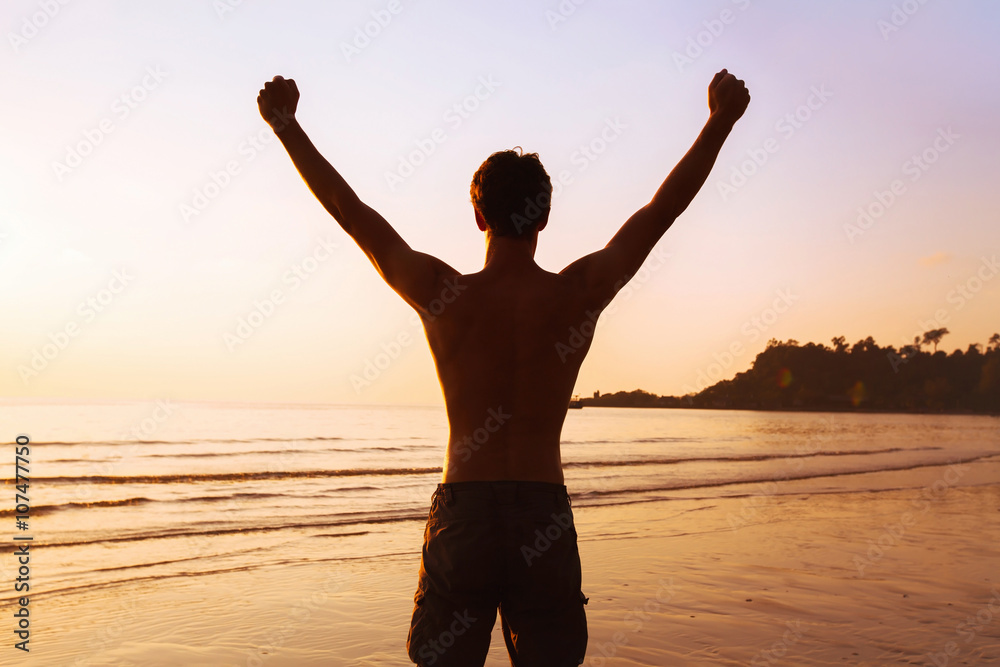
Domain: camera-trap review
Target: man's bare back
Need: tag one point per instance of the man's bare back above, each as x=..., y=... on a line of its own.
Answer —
x=505, y=384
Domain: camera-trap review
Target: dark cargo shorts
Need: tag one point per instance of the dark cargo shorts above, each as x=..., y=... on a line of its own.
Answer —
x=510, y=545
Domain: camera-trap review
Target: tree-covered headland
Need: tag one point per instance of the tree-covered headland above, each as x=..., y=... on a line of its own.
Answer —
x=864, y=376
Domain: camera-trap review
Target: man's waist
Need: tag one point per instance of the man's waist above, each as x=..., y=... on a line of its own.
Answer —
x=502, y=491
x=527, y=485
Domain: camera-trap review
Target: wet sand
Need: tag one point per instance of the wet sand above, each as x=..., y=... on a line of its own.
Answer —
x=905, y=577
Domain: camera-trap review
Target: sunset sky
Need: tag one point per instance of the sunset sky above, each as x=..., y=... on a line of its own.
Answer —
x=147, y=209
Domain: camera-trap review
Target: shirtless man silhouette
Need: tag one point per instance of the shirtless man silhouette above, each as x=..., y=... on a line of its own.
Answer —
x=500, y=531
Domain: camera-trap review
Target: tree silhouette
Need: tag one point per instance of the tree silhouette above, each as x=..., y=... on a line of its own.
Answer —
x=863, y=346
x=866, y=376
x=934, y=336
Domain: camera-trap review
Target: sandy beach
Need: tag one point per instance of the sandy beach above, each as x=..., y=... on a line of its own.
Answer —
x=905, y=577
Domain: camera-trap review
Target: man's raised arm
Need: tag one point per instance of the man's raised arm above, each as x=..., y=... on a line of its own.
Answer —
x=415, y=276
x=606, y=271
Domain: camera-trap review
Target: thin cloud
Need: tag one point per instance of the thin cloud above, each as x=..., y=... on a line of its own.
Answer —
x=936, y=259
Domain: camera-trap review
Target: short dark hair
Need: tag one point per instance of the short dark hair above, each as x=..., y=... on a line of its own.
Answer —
x=512, y=192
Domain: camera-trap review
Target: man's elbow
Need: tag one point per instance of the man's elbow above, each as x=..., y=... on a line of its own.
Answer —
x=346, y=214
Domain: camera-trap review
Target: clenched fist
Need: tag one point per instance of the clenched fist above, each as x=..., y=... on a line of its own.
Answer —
x=277, y=102
x=728, y=97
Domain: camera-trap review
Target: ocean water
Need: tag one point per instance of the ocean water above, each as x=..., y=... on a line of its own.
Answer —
x=145, y=491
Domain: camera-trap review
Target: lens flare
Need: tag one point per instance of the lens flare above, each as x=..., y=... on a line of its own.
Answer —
x=857, y=393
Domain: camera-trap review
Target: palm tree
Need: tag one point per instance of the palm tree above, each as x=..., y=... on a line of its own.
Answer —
x=995, y=341
x=934, y=336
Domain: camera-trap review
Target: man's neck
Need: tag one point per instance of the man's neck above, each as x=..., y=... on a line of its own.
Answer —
x=505, y=252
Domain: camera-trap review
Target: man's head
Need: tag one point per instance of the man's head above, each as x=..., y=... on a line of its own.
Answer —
x=512, y=194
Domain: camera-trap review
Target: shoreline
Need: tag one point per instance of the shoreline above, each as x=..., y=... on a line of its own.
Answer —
x=587, y=403
x=833, y=410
